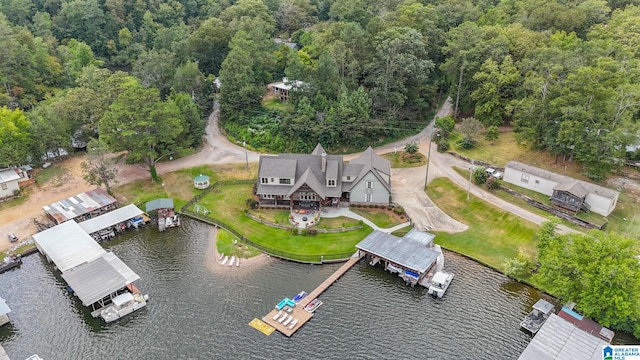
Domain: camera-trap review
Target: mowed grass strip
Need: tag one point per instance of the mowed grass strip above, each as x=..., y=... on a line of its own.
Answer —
x=380, y=217
x=228, y=202
x=402, y=159
x=494, y=235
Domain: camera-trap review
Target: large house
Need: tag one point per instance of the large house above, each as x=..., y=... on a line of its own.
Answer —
x=317, y=179
x=564, y=191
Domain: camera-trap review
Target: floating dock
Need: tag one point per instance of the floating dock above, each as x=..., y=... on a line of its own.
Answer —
x=298, y=312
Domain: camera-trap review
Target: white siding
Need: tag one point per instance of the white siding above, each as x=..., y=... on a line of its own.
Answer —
x=600, y=204
x=535, y=183
x=11, y=186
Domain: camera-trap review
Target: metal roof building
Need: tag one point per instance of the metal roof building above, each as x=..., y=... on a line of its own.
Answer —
x=111, y=218
x=410, y=252
x=559, y=339
x=99, y=278
x=80, y=206
x=159, y=204
x=68, y=245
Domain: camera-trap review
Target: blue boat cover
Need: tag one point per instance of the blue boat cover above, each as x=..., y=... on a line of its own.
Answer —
x=409, y=272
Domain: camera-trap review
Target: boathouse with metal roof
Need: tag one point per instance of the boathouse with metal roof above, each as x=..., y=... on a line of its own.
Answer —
x=67, y=245
x=412, y=256
x=563, y=339
x=81, y=207
x=111, y=218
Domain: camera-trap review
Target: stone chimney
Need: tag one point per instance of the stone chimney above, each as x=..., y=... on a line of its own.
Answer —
x=324, y=161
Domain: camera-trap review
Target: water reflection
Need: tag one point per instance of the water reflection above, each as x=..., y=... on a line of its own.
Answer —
x=198, y=310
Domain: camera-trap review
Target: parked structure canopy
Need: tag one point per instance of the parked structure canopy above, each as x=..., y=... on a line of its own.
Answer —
x=99, y=278
x=111, y=218
x=81, y=206
x=68, y=245
x=406, y=251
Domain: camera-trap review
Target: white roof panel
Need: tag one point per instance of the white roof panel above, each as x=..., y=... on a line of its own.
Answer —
x=111, y=218
x=68, y=245
x=99, y=278
x=4, y=308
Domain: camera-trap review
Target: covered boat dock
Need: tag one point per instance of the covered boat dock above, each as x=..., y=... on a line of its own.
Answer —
x=106, y=225
x=414, y=256
x=68, y=245
x=101, y=280
x=81, y=207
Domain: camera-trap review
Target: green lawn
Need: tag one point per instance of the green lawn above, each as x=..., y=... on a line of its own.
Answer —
x=505, y=149
x=402, y=159
x=228, y=202
x=280, y=217
x=402, y=232
x=382, y=218
x=275, y=103
x=493, y=235
x=335, y=223
x=53, y=171
x=225, y=245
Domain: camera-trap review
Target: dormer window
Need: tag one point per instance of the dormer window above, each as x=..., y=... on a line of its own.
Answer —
x=331, y=182
x=286, y=181
x=264, y=180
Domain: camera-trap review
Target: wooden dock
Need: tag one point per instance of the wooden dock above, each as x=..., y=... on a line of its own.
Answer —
x=3, y=354
x=298, y=311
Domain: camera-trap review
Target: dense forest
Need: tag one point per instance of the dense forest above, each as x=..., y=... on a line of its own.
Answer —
x=140, y=74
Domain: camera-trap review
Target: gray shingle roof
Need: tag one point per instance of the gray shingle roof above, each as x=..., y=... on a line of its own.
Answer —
x=318, y=150
x=367, y=162
x=560, y=340
x=560, y=179
x=310, y=180
x=275, y=166
x=332, y=169
x=406, y=251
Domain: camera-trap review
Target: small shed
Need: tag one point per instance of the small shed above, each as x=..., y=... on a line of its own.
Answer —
x=201, y=181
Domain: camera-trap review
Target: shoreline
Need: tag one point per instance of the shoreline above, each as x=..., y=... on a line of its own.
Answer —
x=214, y=263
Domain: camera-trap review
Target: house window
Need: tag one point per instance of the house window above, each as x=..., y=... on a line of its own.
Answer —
x=331, y=182
x=537, y=181
x=272, y=180
x=285, y=181
x=267, y=196
x=4, y=186
x=524, y=178
x=369, y=184
x=264, y=180
x=348, y=178
x=368, y=198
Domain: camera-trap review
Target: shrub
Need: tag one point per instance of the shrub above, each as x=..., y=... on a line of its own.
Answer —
x=398, y=210
x=480, y=175
x=492, y=183
x=312, y=231
x=519, y=266
x=492, y=133
x=252, y=203
x=443, y=145
x=467, y=143
x=411, y=147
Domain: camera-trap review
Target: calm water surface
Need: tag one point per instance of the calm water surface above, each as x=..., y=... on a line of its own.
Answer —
x=199, y=313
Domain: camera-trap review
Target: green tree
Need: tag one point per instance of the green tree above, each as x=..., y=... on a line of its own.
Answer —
x=155, y=68
x=470, y=127
x=492, y=134
x=14, y=137
x=496, y=87
x=208, y=45
x=446, y=125
x=148, y=128
x=599, y=271
x=480, y=175
x=97, y=169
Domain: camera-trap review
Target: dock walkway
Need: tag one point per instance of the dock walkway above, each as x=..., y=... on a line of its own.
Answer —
x=3, y=354
x=298, y=311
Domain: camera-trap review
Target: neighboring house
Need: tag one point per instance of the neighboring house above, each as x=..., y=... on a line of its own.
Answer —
x=565, y=192
x=290, y=45
x=9, y=182
x=317, y=179
x=284, y=88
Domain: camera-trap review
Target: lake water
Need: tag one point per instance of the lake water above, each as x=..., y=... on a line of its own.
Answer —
x=201, y=311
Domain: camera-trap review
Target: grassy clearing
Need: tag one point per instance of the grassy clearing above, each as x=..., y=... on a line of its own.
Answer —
x=16, y=201
x=402, y=232
x=276, y=104
x=24, y=248
x=280, y=217
x=228, y=202
x=493, y=235
x=56, y=171
x=2, y=255
x=402, y=159
x=381, y=217
x=225, y=245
